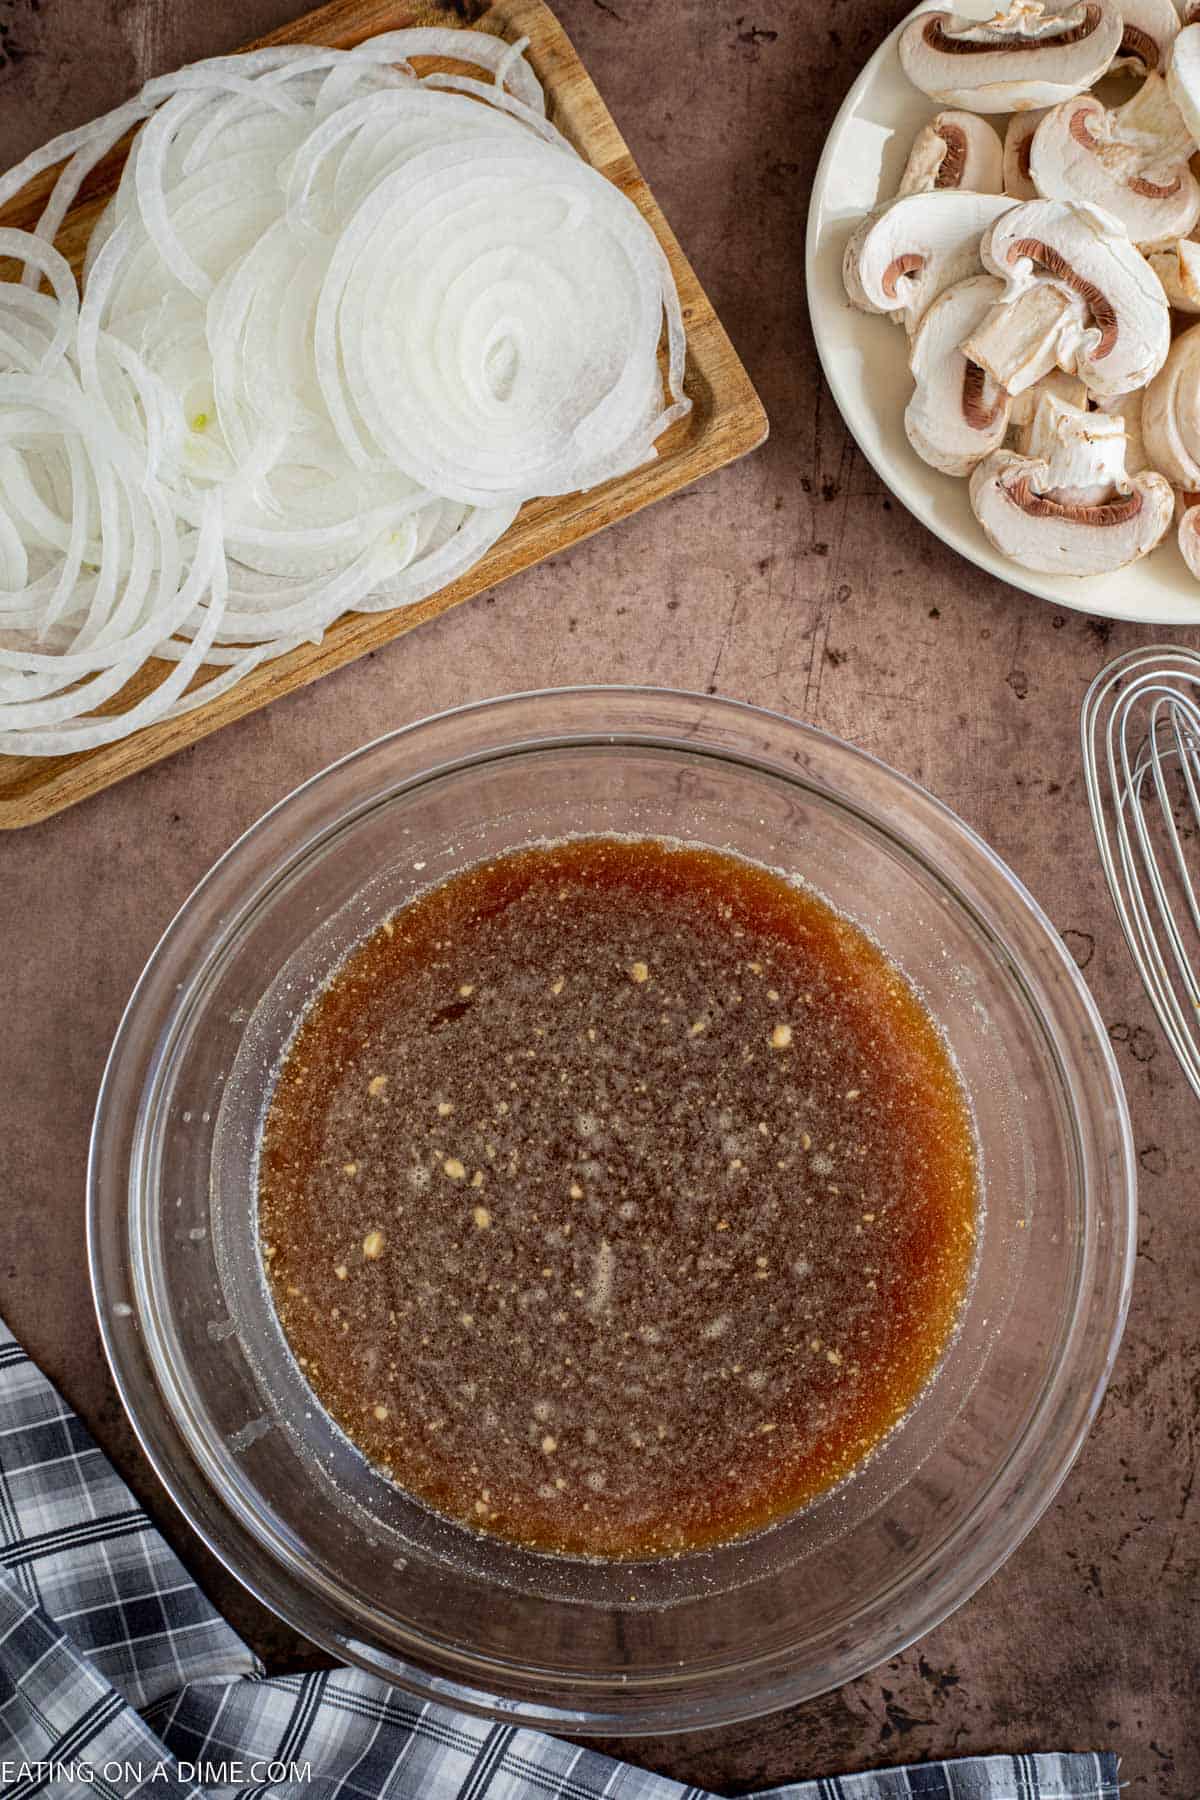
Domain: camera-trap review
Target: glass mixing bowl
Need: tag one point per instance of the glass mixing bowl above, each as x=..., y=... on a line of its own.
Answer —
x=293, y=1509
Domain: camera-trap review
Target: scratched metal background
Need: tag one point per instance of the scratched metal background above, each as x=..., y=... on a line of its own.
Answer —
x=791, y=580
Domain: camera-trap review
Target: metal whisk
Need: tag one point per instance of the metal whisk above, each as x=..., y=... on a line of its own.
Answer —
x=1141, y=760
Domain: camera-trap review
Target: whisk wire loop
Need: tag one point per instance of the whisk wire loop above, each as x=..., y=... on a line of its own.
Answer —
x=1140, y=732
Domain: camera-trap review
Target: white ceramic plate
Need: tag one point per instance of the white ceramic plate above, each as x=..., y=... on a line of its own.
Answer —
x=863, y=356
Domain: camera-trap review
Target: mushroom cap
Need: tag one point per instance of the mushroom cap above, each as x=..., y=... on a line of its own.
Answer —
x=955, y=150
x=1183, y=77
x=1132, y=161
x=1171, y=413
x=1024, y=56
x=1018, y=142
x=1178, y=268
x=1056, y=538
x=956, y=415
x=1148, y=30
x=908, y=250
x=1085, y=251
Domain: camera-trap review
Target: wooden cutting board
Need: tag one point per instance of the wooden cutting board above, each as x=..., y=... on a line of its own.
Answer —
x=726, y=421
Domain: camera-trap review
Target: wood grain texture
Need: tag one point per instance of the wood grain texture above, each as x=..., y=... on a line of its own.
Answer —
x=726, y=421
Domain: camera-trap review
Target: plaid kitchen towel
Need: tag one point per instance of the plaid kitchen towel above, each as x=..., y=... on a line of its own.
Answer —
x=117, y=1675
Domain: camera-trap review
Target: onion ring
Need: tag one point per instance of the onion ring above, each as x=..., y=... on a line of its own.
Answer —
x=340, y=320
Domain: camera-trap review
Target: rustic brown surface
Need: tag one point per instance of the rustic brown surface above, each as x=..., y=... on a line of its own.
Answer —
x=726, y=419
x=791, y=580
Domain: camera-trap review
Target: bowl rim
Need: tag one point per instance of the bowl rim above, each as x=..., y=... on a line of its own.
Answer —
x=638, y=1704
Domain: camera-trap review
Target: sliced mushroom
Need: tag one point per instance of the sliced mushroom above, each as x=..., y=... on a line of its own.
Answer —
x=1026, y=55
x=1069, y=508
x=1148, y=30
x=1018, y=141
x=1171, y=413
x=1085, y=252
x=1189, y=536
x=1023, y=407
x=907, y=251
x=956, y=414
x=1178, y=268
x=1185, y=499
x=1132, y=160
x=955, y=150
x=1183, y=77
x=1020, y=341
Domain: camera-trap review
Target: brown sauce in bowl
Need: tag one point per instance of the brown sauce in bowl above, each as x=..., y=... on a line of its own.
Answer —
x=618, y=1198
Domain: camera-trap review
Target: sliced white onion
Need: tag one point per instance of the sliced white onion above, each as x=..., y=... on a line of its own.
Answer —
x=503, y=61
x=43, y=259
x=340, y=320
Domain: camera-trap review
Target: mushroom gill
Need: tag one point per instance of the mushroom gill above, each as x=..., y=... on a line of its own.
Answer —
x=1152, y=190
x=908, y=264
x=937, y=38
x=978, y=415
x=950, y=173
x=1137, y=184
x=1139, y=43
x=1101, y=308
x=1045, y=506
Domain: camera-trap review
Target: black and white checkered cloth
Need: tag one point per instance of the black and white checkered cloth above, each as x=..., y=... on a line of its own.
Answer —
x=117, y=1675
